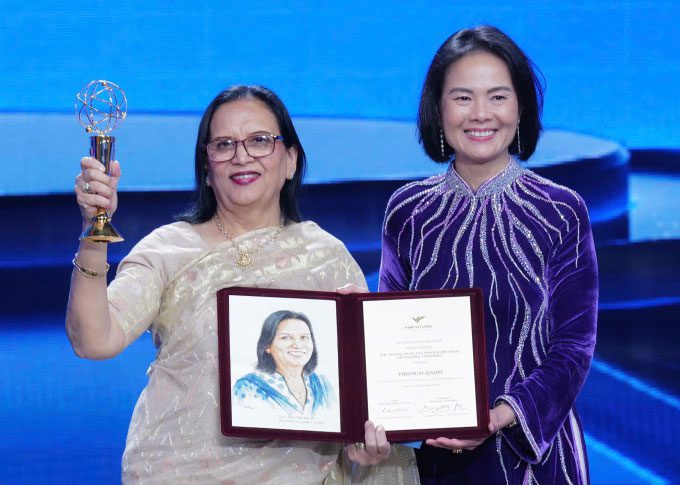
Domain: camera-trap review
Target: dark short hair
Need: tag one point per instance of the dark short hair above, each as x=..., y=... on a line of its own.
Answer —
x=525, y=80
x=265, y=362
x=204, y=204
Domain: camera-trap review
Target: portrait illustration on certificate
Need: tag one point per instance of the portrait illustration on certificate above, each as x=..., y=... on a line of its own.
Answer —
x=284, y=363
x=315, y=365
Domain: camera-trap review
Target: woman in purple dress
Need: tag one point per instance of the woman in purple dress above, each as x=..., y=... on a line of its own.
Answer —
x=524, y=240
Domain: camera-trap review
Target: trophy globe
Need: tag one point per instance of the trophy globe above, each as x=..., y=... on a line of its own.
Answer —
x=100, y=107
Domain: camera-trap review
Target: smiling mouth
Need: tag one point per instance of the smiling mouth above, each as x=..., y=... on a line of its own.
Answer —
x=480, y=133
x=243, y=178
x=297, y=353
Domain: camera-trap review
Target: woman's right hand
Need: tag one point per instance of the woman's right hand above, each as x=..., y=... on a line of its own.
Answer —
x=373, y=450
x=103, y=189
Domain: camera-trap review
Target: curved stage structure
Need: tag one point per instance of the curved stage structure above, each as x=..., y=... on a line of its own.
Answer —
x=355, y=165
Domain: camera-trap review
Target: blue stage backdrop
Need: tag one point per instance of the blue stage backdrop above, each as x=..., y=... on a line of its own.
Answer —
x=351, y=74
x=610, y=68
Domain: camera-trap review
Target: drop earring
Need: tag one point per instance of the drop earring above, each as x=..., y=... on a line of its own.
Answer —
x=519, y=146
x=207, y=181
x=441, y=141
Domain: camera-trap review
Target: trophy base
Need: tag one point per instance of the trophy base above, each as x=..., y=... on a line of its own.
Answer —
x=101, y=231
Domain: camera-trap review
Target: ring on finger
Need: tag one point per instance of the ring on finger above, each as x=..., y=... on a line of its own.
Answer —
x=359, y=445
x=456, y=451
x=87, y=187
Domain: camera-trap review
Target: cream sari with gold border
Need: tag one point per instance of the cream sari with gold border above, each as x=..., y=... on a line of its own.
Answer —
x=167, y=285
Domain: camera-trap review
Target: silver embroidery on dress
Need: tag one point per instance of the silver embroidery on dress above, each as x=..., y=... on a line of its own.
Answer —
x=504, y=220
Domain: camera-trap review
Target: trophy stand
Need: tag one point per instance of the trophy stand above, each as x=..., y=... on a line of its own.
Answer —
x=100, y=107
x=103, y=148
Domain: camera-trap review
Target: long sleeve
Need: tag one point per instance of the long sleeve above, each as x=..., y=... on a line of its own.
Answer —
x=394, y=270
x=526, y=242
x=544, y=398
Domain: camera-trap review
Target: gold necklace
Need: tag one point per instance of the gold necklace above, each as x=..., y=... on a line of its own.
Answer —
x=243, y=260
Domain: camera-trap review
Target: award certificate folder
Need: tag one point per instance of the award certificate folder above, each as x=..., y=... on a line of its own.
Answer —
x=316, y=365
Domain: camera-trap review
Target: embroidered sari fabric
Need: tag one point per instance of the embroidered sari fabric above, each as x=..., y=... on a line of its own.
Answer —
x=527, y=243
x=167, y=285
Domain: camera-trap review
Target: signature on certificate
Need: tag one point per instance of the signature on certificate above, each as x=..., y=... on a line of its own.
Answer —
x=454, y=407
x=392, y=410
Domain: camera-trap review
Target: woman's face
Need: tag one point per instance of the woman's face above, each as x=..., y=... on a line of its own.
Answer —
x=292, y=346
x=479, y=109
x=246, y=182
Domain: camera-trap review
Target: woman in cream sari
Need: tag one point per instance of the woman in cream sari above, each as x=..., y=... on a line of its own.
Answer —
x=243, y=230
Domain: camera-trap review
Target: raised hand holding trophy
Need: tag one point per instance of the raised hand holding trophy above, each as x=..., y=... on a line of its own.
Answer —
x=100, y=107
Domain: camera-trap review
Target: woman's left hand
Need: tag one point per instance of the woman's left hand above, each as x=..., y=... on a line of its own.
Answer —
x=373, y=450
x=454, y=444
x=499, y=417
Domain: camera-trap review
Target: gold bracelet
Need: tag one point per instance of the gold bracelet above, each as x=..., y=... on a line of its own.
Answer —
x=87, y=272
x=512, y=423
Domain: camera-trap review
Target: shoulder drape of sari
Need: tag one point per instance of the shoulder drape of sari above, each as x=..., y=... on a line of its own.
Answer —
x=167, y=285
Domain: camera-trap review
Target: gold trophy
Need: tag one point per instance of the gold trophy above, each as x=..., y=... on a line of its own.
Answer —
x=100, y=107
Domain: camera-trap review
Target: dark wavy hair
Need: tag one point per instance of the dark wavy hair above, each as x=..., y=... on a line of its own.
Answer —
x=525, y=80
x=204, y=204
x=265, y=362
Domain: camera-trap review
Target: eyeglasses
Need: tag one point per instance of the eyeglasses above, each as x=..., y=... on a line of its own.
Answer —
x=258, y=145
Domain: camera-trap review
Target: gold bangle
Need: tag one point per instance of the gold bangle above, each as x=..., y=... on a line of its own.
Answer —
x=87, y=272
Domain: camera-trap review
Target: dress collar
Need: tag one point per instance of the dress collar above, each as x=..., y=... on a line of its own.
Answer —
x=494, y=185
